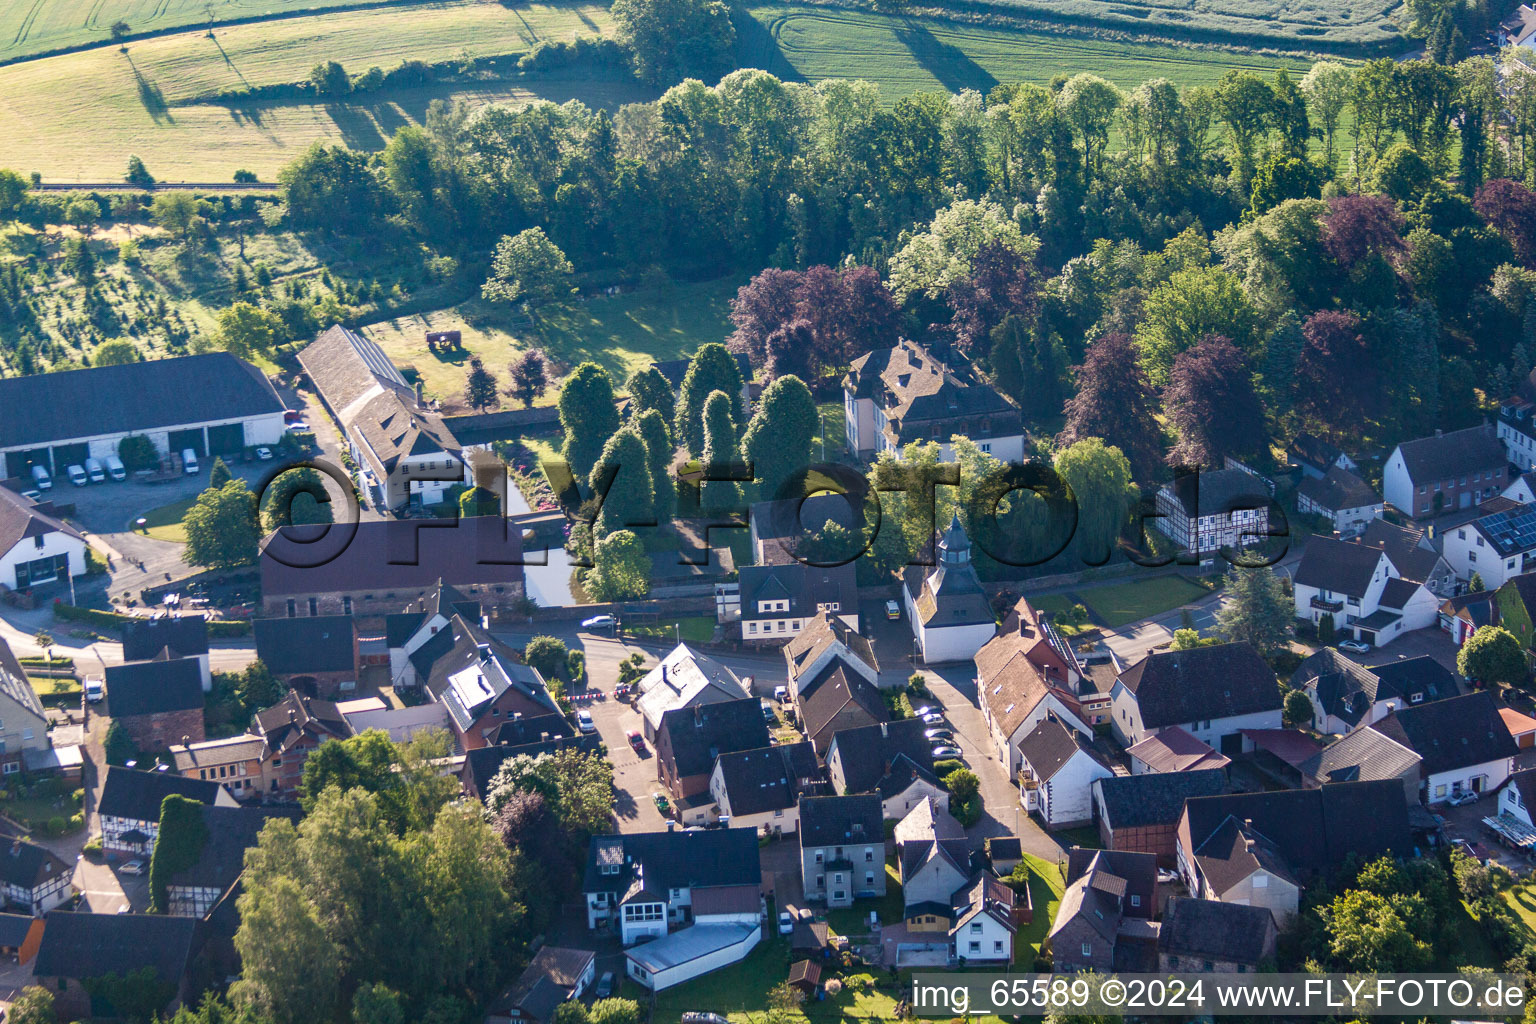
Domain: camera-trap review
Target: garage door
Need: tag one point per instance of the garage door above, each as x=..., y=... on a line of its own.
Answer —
x=70, y=455
x=193, y=439
x=226, y=440
x=18, y=464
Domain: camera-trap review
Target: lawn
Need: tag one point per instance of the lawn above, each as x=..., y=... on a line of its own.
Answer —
x=904, y=55
x=46, y=687
x=621, y=333
x=695, y=629
x=1120, y=603
x=1045, y=888
x=854, y=920
x=75, y=117
x=165, y=522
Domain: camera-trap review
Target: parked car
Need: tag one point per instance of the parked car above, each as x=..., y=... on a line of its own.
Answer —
x=264, y=454
x=605, y=985
x=94, y=690
x=1466, y=796
x=189, y=461
x=292, y=416
x=768, y=715
x=298, y=427
x=584, y=721
x=892, y=610
x=41, y=478
x=1358, y=646
x=925, y=711
x=786, y=922
x=134, y=867
x=932, y=718
x=662, y=804
x=781, y=694
x=95, y=472
x=636, y=740
x=115, y=468
x=938, y=735
x=947, y=752
x=597, y=622
x=77, y=475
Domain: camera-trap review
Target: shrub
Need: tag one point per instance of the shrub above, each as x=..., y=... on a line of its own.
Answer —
x=92, y=848
x=548, y=654
x=946, y=767
x=833, y=986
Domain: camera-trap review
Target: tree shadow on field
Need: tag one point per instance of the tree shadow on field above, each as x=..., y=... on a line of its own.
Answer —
x=757, y=47
x=357, y=126
x=151, y=96
x=954, y=69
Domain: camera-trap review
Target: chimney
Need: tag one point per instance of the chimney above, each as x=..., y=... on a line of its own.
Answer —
x=186, y=741
x=419, y=392
x=293, y=715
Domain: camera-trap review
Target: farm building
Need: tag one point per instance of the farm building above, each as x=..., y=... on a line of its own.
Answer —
x=212, y=403
x=36, y=547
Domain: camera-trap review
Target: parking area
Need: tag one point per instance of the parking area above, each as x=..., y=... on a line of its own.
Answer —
x=634, y=774
x=1466, y=823
x=1434, y=642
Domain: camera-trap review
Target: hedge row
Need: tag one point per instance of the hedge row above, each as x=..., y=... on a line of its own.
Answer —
x=114, y=620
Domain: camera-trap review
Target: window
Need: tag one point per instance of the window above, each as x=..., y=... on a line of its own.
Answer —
x=869, y=878
x=1440, y=791
x=26, y=734
x=293, y=609
x=839, y=895
x=997, y=945
x=12, y=768
x=346, y=604
x=1261, y=881
x=1480, y=541
x=1135, y=899
x=975, y=947
x=975, y=927
x=751, y=627
x=869, y=856
x=1087, y=949
x=314, y=607
x=819, y=856
x=821, y=880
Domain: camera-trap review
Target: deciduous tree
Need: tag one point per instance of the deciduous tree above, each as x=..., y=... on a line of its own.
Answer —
x=1114, y=403
x=1211, y=402
x=711, y=369
x=1492, y=655
x=222, y=527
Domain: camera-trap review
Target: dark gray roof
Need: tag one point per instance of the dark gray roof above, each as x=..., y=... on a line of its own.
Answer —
x=1213, y=930
x=806, y=587
x=1362, y=756
x=674, y=370
x=1347, y=690
x=841, y=820
x=154, y=687
x=79, y=945
x=676, y=860
x=831, y=691
x=1218, y=492
x=285, y=724
x=699, y=734
x=1050, y=745
x=131, y=398
x=1313, y=830
x=231, y=831
x=22, y=518
x=128, y=793
x=546, y=982
x=1310, y=450
x=1398, y=592
x=1444, y=456
x=1138, y=872
x=14, y=683
x=500, y=670
x=771, y=778
x=1511, y=531
x=186, y=635
x=482, y=763
x=401, y=556
x=344, y=366
x=1405, y=547
x=1339, y=489
x=314, y=643
x=28, y=865
x=865, y=752
x=1173, y=687
x=14, y=929
x=1338, y=566
x=1448, y=734
x=821, y=632
x=1134, y=801
x=780, y=525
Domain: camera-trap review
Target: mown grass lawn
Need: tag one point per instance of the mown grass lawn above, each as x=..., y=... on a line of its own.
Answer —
x=1120, y=603
x=165, y=522
x=1045, y=888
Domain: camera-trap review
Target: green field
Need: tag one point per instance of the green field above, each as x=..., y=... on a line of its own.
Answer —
x=908, y=55
x=76, y=117
x=622, y=333
x=1120, y=603
x=165, y=523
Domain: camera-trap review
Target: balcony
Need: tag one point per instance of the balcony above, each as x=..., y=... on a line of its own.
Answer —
x=1327, y=606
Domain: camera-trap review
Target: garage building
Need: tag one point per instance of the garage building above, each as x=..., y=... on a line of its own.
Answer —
x=213, y=403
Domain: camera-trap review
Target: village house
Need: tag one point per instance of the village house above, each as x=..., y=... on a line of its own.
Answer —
x=1346, y=501
x=1199, y=936
x=893, y=760
x=228, y=833
x=1448, y=471
x=36, y=546
x=1212, y=693
x=400, y=724
x=404, y=452
x=183, y=636
x=984, y=928
x=33, y=878
x=684, y=678
x=894, y=396
x=1345, y=693
x=842, y=848
x=1173, y=750
x=316, y=655
x=78, y=948
x=1206, y=512
x=1057, y=769
x=406, y=631
x=933, y=860
x=1465, y=614
x=1464, y=744
x=526, y=737
x=555, y=975
x=385, y=566
x=1522, y=728
x=233, y=761
x=129, y=807
x=689, y=741
x=1517, y=796
x=289, y=730
x=1364, y=755
x=779, y=529
x=1024, y=673
x=212, y=403
x=1316, y=457
x=23, y=725
x=1495, y=546
x=824, y=641
x=1413, y=555
x=837, y=699
x=947, y=608
x=482, y=681
x=1516, y=424
x=777, y=601
x=1104, y=922
x=1357, y=589
x=761, y=789
x=1262, y=849
x=158, y=703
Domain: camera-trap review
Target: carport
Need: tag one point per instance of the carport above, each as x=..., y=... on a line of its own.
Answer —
x=226, y=439
x=70, y=455
x=182, y=439
x=18, y=464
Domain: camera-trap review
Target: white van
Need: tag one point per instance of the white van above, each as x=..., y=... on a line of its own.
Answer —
x=77, y=475
x=94, y=471
x=41, y=478
x=115, y=468
x=189, y=461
